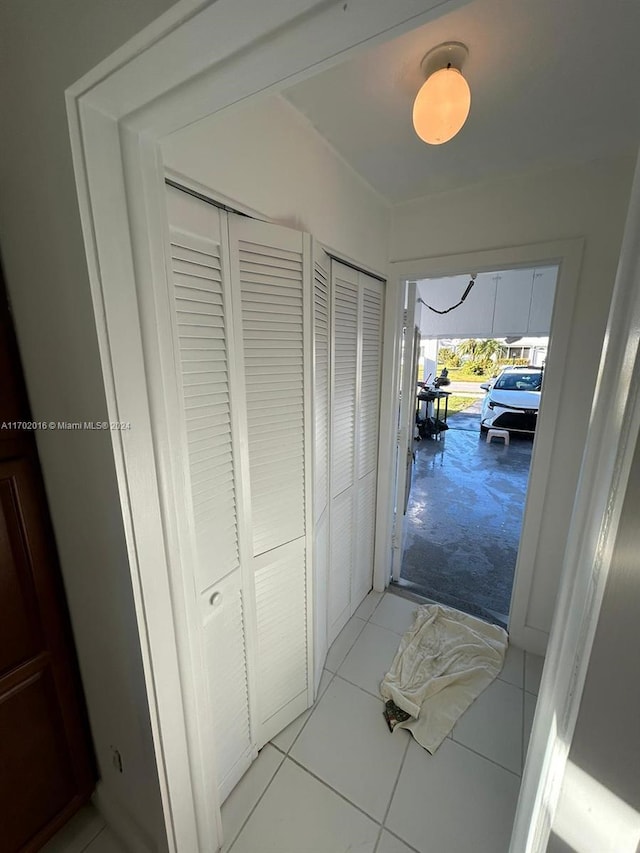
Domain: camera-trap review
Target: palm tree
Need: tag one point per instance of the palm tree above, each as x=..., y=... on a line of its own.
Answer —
x=480, y=347
x=489, y=348
x=468, y=347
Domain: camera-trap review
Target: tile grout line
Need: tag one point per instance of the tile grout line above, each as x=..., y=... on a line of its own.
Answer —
x=504, y=681
x=309, y=715
x=377, y=604
x=395, y=835
x=259, y=800
x=393, y=791
x=337, y=793
x=357, y=686
x=395, y=785
x=486, y=758
x=373, y=612
x=377, y=844
x=365, y=622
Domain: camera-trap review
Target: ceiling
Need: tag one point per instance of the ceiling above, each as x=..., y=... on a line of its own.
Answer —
x=552, y=82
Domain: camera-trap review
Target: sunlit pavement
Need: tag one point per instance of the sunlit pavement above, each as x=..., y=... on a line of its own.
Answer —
x=464, y=517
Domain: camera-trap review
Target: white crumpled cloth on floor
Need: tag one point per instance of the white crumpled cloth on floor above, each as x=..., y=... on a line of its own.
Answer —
x=445, y=660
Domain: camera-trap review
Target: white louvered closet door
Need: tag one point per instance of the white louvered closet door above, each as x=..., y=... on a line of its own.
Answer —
x=344, y=391
x=270, y=269
x=370, y=371
x=202, y=342
x=321, y=445
x=357, y=309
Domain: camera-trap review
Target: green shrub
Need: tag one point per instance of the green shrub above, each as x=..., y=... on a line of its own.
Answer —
x=480, y=366
x=448, y=358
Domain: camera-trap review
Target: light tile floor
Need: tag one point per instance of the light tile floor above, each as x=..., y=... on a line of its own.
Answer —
x=336, y=780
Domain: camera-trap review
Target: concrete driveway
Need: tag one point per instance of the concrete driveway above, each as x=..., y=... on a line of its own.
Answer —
x=469, y=418
x=464, y=517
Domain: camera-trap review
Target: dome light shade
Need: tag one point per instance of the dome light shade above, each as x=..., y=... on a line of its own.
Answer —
x=441, y=106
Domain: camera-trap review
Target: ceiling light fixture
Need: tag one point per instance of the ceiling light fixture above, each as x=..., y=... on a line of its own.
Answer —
x=442, y=105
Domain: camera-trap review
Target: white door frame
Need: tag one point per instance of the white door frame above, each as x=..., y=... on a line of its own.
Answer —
x=196, y=59
x=406, y=424
x=193, y=61
x=568, y=255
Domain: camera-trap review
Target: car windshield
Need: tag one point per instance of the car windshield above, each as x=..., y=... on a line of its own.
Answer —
x=519, y=382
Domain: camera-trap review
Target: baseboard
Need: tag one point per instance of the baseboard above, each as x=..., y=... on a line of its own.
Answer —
x=132, y=837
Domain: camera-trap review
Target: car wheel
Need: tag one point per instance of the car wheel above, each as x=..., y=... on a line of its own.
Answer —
x=483, y=429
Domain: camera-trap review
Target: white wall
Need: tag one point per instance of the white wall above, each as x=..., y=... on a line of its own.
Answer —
x=267, y=156
x=430, y=359
x=45, y=47
x=606, y=742
x=586, y=201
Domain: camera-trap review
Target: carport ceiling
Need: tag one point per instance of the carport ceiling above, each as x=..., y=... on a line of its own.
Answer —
x=552, y=83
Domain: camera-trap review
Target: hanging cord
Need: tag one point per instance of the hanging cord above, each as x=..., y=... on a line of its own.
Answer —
x=458, y=304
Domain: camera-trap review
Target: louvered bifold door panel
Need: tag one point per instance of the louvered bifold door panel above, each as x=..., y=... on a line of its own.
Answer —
x=271, y=275
x=321, y=426
x=224, y=649
x=320, y=596
x=320, y=385
x=281, y=631
x=344, y=368
x=344, y=390
x=372, y=295
x=362, y=578
x=200, y=299
x=341, y=561
x=368, y=420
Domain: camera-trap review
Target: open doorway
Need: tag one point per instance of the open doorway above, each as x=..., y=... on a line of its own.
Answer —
x=478, y=378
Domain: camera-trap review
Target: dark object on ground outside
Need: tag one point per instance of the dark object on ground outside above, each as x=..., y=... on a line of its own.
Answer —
x=394, y=715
